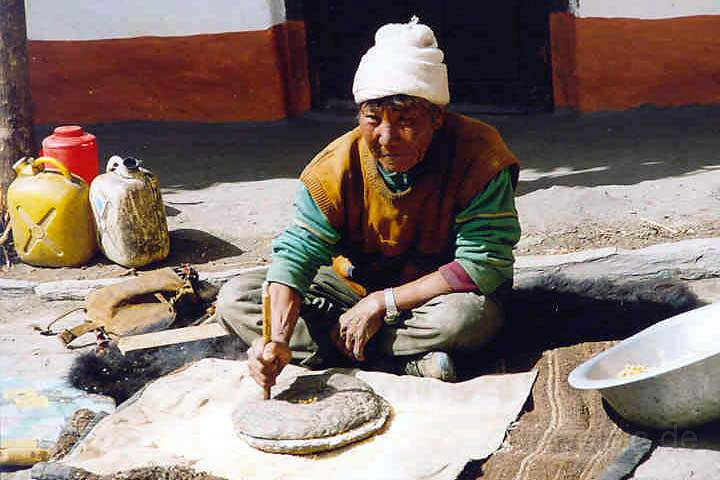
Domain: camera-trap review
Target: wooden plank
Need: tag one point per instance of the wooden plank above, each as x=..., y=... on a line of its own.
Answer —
x=171, y=337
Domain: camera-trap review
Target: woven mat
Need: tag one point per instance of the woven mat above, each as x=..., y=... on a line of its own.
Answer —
x=566, y=434
x=558, y=323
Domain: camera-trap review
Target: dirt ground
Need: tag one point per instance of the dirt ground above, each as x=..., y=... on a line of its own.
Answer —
x=613, y=234
x=623, y=179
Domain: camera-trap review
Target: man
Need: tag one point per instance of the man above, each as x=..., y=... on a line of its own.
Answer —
x=416, y=208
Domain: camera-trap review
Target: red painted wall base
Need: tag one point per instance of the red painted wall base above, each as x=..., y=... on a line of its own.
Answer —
x=620, y=63
x=259, y=75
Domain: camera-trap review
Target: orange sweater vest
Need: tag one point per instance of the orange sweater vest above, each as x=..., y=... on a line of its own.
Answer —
x=395, y=237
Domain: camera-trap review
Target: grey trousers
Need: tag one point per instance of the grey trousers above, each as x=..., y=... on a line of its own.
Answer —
x=453, y=322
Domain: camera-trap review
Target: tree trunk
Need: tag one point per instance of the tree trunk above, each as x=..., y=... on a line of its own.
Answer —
x=16, y=123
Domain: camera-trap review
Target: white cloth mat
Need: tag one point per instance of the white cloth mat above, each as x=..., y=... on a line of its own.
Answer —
x=185, y=419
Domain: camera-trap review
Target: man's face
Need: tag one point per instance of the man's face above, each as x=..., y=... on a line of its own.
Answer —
x=398, y=137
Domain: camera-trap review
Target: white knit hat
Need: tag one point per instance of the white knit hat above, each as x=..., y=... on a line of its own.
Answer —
x=404, y=60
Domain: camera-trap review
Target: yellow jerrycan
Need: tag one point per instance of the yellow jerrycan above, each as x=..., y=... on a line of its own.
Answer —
x=52, y=222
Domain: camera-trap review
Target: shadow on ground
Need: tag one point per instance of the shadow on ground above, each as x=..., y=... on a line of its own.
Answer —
x=619, y=148
x=613, y=148
x=196, y=155
x=702, y=437
x=555, y=311
x=187, y=245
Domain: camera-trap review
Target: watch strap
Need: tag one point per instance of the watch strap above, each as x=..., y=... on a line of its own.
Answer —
x=391, y=310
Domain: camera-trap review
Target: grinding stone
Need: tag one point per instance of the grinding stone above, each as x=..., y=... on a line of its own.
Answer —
x=313, y=413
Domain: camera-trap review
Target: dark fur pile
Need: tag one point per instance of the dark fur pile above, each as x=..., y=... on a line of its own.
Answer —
x=547, y=312
x=556, y=311
x=120, y=376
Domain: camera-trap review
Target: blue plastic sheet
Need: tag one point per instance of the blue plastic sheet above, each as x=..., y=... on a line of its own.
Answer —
x=33, y=412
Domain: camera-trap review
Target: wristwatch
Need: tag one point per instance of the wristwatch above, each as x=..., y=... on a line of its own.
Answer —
x=391, y=310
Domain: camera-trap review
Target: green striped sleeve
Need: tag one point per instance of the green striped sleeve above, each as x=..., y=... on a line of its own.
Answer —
x=304, y=246
x=486, y=232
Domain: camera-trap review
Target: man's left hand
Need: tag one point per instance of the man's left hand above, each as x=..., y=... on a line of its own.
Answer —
x=360, y=323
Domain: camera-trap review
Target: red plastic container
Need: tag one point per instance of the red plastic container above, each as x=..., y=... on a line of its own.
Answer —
x=76, y=149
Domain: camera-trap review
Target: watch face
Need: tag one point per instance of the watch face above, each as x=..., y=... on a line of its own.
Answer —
x=391, y=319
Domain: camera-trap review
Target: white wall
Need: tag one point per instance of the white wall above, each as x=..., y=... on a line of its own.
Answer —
x=104, y=19
x=644, y=8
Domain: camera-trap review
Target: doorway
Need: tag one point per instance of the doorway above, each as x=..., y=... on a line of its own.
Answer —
x=497, y=52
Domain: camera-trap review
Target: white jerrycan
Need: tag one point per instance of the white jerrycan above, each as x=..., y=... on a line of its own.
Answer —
x=129, y=213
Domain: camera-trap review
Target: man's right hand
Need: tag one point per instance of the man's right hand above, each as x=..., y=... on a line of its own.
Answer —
x=267, y=360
